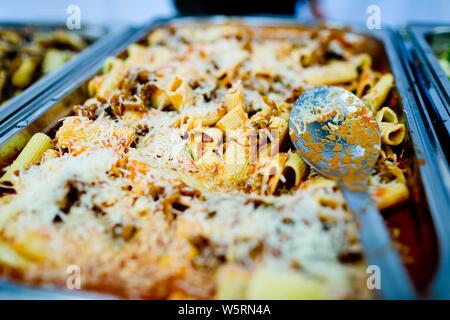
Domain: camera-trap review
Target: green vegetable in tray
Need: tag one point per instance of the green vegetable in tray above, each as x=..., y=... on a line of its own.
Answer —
x=444, y=61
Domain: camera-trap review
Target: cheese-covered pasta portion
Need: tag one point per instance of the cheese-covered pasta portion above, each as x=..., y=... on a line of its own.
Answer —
x=177, y=177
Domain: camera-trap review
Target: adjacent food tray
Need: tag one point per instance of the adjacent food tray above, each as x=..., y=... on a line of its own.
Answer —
x=430, y=42
x=423, y=222
x=96, y=36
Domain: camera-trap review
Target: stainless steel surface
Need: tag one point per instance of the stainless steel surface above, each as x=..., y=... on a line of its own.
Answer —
x=440, y=286
x=431, y=195
x=319, y=114
x=11, y=291
x=427, y=42
x=438, y=39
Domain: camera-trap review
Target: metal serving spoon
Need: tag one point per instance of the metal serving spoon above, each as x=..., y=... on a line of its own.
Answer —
x=338, y=136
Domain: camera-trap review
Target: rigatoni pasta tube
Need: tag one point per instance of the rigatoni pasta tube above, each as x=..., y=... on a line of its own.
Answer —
x=235, y=118
x=278, y=128
x=209, y=118
x=366, y=82
x=94, y=85
x=179, y=93
x=208, y=161
x=110, y=63
x=390, y=194
x=386, y=114
x=335, y=72
x=378, y=93
x=272, y=173
x=212, y=137
x=236, y=162
x=32, y=152
x=31, y=245
x=160, y=99
x=111, y=81
x=268, y=150
x=396, y=171
x=11, y=258
x=392, y=133
x=362, y=60
x=287, y=285
x=297, y=165
x=195, y=147
x=138, y=54
x=192, y=181
x=235, y=98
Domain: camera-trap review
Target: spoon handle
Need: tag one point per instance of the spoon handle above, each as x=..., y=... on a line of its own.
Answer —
x=378, y=249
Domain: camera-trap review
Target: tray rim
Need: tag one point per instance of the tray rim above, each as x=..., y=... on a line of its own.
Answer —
x=39, y=87
x=418, y=33
x=431, y=74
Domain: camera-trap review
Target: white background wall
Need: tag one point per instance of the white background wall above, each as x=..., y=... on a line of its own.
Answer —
x=99, y=11
x=138, y=11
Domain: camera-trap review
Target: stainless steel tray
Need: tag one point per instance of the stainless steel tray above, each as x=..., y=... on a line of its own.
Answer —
x=428, y=209
x=427, y=41
x=97, y=37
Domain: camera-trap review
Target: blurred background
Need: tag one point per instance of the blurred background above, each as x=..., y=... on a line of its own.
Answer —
x=396, y=12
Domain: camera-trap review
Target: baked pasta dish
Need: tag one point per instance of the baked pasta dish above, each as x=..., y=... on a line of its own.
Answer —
x=27, y=55
x=177, y=179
